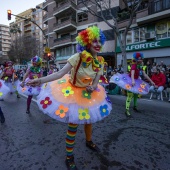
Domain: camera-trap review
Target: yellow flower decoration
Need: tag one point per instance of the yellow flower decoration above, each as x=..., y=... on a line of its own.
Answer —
x=84, y=114
x=1, y=94
x=14, y=87
x=45, y=85
x=35, y=77
x=67, y=91
x=5, y=78
x=100, y=81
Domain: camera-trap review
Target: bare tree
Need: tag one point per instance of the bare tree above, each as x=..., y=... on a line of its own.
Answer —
x=22, y=49
x=103, y=9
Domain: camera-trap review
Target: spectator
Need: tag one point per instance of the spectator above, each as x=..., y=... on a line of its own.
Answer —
x=160, y=80
x=163, y=66
x=148, y=70
x=120, y=69
x=45, y=72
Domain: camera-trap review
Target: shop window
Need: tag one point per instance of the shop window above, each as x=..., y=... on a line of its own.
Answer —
x=82, y=17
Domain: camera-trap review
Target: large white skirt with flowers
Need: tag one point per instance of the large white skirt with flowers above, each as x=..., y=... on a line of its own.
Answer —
x=28, y=90
x=12, y=86
x=69, y=104
x=4, y=90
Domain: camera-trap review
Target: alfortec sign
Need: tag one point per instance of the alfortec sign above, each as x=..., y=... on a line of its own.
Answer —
x=147, y=45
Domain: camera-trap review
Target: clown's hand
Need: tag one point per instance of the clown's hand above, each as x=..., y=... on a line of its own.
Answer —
x=35, y=82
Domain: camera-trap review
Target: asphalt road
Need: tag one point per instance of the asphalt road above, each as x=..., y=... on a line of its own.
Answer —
x=139, y=143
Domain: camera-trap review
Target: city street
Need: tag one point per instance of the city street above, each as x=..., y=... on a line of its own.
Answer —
x=138, y=143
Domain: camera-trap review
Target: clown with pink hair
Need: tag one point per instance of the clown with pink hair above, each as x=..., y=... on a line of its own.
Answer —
x=77, y=98
x=34, y=72
x=132, y=82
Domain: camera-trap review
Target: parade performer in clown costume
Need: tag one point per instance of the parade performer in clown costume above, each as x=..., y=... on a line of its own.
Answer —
x=10, y=78
x=132, y=82
x=33, y=72
x=77, y=98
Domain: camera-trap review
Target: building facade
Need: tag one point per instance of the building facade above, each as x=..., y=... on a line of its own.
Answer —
x=64, y=20
x=31, y=26
x=149, y=32
x=5, y=42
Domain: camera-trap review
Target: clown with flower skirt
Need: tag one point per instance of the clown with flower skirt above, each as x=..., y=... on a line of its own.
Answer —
x=77, y=98
x=33, y=72
x=132, y=82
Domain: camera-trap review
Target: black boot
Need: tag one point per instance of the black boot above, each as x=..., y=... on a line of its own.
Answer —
x=18, y=96
x=2, y=118
x=28, y=111
x=92, y=146
x=135, y=109
x=70, y=163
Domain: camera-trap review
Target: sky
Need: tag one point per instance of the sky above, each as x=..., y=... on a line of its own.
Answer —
x=16, y=7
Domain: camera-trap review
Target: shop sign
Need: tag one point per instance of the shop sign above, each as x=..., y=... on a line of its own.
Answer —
x=147, y=45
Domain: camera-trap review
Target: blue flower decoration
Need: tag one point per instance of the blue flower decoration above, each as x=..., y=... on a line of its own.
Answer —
x=117, y=79
x=30, y=89
x=103, y=110
x=84, y=64
x=124, y=78
x=108, y=99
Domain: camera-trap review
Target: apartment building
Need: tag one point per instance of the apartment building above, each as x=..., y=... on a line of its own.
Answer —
x=149, y=32
x=31, y=27
x=65, y=19
x=5, y=42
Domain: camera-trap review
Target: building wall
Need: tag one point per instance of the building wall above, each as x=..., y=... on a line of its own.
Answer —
x=5, y=42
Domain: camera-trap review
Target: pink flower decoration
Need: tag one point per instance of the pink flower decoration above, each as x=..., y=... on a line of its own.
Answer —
x=45, y=102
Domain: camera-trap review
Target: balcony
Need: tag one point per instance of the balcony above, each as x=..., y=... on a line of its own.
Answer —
x=63, y=41
x=26, y=23
x=45, y=19
x=64, y=8
x=67, y=25
x=45, y=4
x=156, y=10
x=158, y=6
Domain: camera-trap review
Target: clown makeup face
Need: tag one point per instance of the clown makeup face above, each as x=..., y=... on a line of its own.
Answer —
x=10, y=65
x=140, y=60
x=95, y=46
x=34, y=64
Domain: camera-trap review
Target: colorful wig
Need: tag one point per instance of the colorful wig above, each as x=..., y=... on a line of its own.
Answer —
x=36, y=60
x=137, y=56
x=87, y=36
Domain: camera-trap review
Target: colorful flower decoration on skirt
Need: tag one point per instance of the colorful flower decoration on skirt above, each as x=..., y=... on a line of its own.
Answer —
x=108, y=99
x=14, y=87
x=6, y=78
x=0, y=84
x=128, y=86
x=35, y=77
x=45, y=102
x=124, y=78
x=140, y=90
x=143, y=85
x=86, y=94
x=30, y=89
x=23, y=89
x=67, y=91
x=61, y=81
x=61, y=111
x=84, y=114
x=1, y=94
x=103, y=110
x=45, y=85
x=117, y=79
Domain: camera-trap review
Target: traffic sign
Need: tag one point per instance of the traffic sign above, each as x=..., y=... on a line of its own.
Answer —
x=47, y=50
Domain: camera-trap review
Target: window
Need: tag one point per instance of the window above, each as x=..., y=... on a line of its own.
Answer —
x=162, y=29
x=82, y=17
x=142, y=33
x=129, y=37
